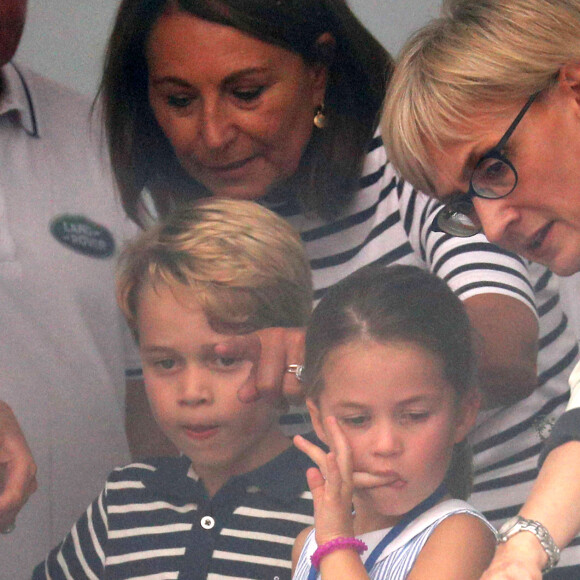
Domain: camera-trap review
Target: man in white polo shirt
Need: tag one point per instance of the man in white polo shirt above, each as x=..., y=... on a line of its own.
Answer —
x=63, y=343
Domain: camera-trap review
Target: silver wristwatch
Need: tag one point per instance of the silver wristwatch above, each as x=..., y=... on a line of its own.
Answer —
x=519, y=524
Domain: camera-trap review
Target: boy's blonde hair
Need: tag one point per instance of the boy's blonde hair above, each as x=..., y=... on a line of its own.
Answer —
x=478, y=59
x=245, y=265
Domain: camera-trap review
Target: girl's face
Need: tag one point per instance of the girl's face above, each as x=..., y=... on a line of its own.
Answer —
x=540, y=219
x=400, y=417
x=237, y=111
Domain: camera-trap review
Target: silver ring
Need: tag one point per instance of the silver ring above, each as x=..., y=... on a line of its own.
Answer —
x=297, y=370
x=8, y=529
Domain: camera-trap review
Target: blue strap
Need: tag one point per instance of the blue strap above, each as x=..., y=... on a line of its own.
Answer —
x=419, y=509
x=395, y=531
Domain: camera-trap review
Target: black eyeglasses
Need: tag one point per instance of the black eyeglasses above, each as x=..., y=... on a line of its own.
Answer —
x=494, y=177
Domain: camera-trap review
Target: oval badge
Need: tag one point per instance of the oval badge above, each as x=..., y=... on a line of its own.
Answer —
x=83, y=235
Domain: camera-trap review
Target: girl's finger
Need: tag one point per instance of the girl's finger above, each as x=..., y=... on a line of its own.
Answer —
x=315, y=453
x=339, y=445
x=315, y=481
x=334, y=480
x=361, y=480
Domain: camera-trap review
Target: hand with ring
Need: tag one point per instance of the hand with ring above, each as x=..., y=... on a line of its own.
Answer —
x=297, y=370
x=277, y=354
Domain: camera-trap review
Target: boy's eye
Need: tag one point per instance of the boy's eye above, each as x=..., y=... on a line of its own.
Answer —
x=165, y=364
x=248, y=95
x=227, y=363
x=355, y=420
x=414, y=416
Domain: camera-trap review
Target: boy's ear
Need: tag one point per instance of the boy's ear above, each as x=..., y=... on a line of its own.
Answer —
x=316, y=418
x=467, y=414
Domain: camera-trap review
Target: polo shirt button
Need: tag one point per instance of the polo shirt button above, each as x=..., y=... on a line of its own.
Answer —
x=207, y=522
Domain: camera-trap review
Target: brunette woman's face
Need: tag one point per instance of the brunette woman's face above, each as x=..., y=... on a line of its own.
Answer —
x=238, y=111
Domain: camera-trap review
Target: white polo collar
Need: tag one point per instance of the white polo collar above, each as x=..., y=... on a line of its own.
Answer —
x=16, y=99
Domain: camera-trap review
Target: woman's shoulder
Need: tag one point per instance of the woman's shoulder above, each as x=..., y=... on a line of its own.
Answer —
x=381, y=182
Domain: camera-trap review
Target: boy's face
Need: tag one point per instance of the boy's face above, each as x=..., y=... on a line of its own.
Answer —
x=193, y=392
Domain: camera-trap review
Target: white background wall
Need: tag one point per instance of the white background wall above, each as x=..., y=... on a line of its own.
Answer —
x=65, y=39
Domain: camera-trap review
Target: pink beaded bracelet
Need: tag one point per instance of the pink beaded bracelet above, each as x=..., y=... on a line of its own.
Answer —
x=337, y=544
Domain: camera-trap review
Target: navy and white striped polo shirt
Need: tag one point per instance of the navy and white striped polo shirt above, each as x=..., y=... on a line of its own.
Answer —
x=151, y=521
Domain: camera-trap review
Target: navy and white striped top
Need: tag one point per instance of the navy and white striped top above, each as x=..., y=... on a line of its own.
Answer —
x=398, y=557
x=149, y=523
x=389, y=222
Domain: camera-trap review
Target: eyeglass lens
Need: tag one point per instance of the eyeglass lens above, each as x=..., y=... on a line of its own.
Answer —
x=493, y=177
x=459, y=219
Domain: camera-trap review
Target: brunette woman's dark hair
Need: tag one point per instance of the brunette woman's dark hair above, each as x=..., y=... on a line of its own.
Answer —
x=401, y=304
x=328, y=174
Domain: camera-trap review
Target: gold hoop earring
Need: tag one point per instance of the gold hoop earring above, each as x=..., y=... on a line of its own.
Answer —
x=320, y=117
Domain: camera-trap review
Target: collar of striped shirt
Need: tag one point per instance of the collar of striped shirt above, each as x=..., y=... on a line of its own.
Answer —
x=283, y=478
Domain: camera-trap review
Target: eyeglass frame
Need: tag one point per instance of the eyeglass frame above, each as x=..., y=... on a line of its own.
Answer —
x=494, y=153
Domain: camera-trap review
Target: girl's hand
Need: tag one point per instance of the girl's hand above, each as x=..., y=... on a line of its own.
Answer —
x=331, y=484
x=271, y=350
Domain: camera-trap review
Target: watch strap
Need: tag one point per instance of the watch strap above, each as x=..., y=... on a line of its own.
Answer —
x=542, y=534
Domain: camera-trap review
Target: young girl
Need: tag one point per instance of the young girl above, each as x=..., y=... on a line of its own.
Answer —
x=388, y=376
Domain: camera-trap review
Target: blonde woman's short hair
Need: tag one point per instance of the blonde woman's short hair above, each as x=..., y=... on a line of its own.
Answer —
x=479, y=58
x=245, y=266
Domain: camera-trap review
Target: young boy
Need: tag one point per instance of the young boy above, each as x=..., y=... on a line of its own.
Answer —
x=233, y=502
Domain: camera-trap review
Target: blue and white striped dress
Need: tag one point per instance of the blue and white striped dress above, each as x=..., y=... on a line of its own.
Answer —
x=398, y=558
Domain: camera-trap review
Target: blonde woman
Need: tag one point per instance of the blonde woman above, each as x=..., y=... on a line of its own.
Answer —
x=484, y=113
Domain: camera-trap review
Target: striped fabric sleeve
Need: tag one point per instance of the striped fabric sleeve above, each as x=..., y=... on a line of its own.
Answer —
x=470, y=266
x=566, y=429
x=81, y=554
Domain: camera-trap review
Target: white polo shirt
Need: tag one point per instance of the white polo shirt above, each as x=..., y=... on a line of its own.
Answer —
x=63, y=343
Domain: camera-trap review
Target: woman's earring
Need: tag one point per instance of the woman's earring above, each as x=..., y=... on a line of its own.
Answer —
x=320, y=117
